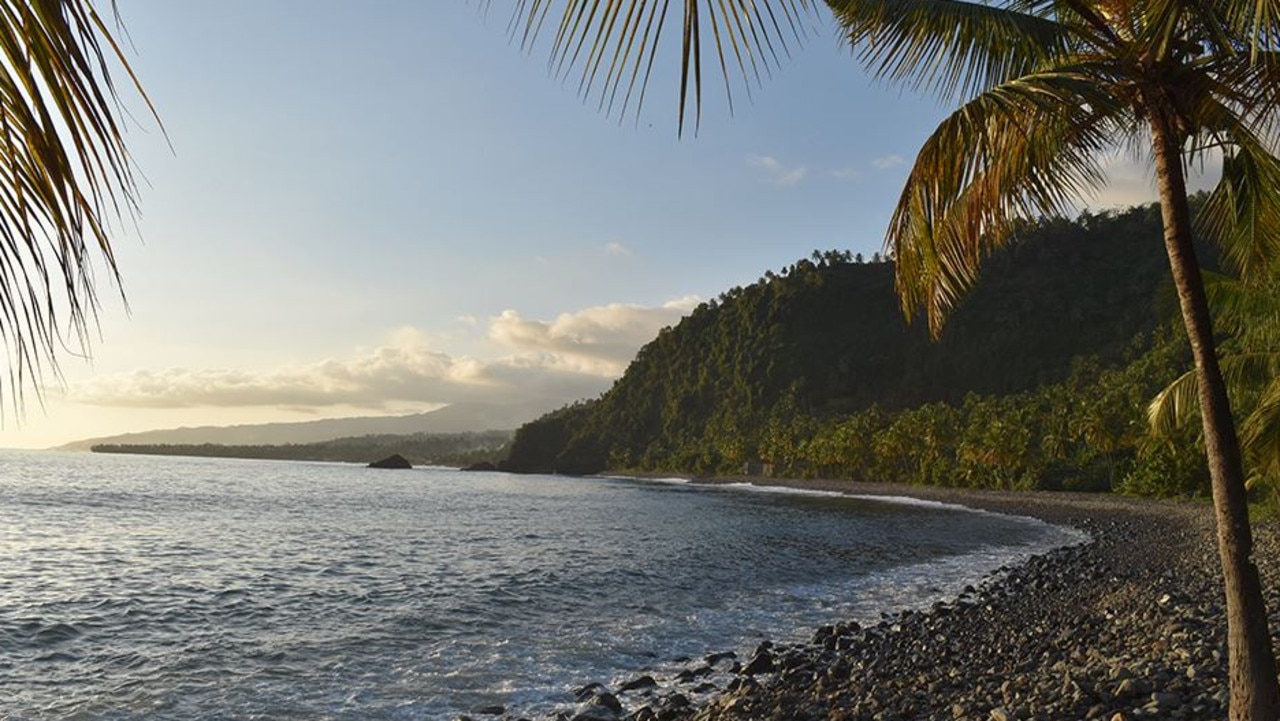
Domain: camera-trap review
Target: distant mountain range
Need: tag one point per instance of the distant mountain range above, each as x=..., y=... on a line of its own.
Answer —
x=456, y=418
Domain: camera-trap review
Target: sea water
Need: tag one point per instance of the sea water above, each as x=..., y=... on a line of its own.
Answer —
x=136, y=587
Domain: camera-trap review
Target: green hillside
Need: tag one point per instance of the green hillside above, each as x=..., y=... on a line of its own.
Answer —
x=762, y=377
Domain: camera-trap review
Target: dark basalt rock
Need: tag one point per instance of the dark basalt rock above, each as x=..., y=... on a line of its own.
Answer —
x=586, y=693
x=640, y=684
x=392, y=461
x=714, y=659
x=481, y=466
x=762, y=662
x=689, y=674
x=599, y=703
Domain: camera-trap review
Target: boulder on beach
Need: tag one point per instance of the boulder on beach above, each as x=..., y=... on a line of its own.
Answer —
x=394, y=460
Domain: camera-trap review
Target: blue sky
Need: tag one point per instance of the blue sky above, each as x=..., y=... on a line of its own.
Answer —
x=375, y=208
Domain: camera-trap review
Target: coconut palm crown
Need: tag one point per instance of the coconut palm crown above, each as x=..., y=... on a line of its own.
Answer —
x=1048, y=91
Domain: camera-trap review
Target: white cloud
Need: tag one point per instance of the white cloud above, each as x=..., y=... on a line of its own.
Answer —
x=779, y=175
x=613, y=247
x=764, y=162
x=784, y=176
x=577, y=355
x=597, y=341
x=888, y=161
x=1131, y=180
x=791, y=177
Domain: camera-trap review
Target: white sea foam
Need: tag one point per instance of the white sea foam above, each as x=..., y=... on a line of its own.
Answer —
x=673, y=480
x=785, y=490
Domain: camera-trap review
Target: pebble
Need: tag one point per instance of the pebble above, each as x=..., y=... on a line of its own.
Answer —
x=1125, y=627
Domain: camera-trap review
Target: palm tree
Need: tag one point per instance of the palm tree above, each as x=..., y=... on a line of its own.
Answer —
x=1046, y=90
x=1059, y=84
x=65, y=175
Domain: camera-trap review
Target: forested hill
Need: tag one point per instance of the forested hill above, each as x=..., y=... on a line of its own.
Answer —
x=825, y=339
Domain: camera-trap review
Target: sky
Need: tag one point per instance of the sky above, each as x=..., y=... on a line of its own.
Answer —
x=379, y=208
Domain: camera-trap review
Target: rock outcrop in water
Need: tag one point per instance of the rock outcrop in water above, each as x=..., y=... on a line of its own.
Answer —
x=394, y=460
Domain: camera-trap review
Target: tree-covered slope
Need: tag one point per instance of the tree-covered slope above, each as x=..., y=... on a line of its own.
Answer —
x=825, y=338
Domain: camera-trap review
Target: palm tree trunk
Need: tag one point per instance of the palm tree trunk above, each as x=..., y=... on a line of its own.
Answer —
x=1255, y=695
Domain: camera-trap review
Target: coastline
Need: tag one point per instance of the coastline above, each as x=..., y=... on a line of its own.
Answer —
x=1127, y=625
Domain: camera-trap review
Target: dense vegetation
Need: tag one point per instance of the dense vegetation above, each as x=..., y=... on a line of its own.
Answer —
x=1040, y=380
x=446, y=449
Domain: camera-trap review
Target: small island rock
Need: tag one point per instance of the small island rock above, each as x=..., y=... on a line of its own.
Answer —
x=392, y=461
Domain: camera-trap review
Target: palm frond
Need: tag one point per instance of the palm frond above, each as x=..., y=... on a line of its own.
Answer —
x=64, y=173
x=952, y=48
x=1256, y=21
x=613, y=44
x=1246, y=312
x=1247, y=92
x=1019, y=151
x=1175, y=406
x=1260, y=435
x=1178, y=403
x=1243, y=210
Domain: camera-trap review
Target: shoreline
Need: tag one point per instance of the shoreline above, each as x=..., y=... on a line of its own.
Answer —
x=1127, y=625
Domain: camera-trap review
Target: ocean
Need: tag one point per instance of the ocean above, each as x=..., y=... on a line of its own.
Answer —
x=139, y=587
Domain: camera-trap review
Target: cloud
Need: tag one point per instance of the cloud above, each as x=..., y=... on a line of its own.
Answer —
x=394, y=374
x=784, y=176
x=575, y=356
x=780, y=175
x=888, y=161
x=791, y=177
x=1131, y=180
x=613, y=247
x=598, y=341
x=764, y=162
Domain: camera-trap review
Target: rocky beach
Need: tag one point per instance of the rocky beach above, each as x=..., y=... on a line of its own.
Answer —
x=1129, y=625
